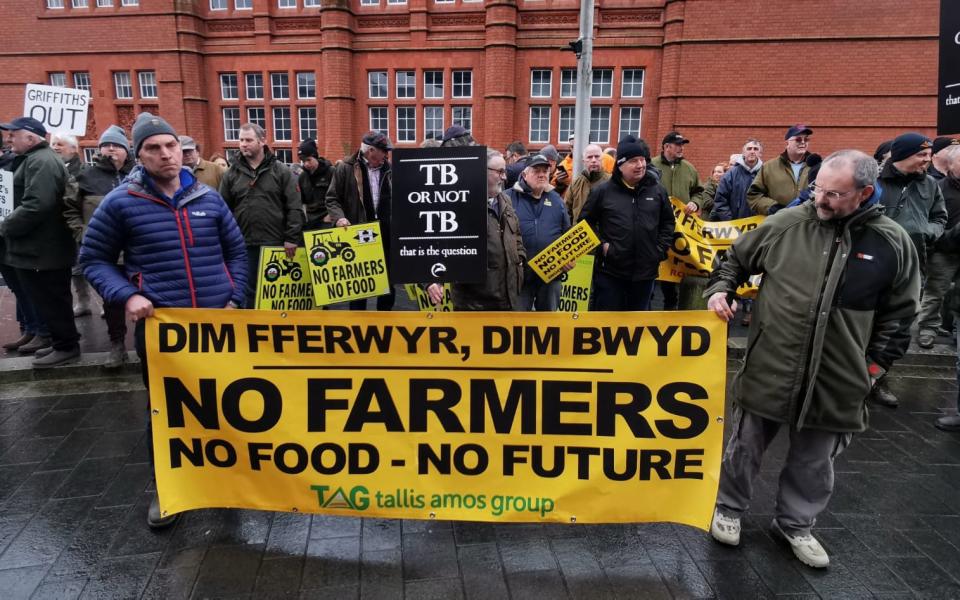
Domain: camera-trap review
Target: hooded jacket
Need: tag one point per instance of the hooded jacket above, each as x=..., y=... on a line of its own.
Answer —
x=578, y=191
x=637, y=222
x=541, y=221
x=185, y=251
x=313, y=190
x=680, y=179
x=775, y=184
x=916, y=204
x=93, y=184
x=36, y=234
x=835, y=295
x=731, y=199
x=265, y=201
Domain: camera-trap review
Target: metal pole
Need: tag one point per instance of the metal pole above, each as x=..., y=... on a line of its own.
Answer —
x=581, y=127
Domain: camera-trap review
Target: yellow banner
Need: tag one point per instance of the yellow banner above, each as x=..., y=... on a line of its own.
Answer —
x=575, y=289
x=346, y=263
x=419, y=295
x=567, y=248
x=588, y=418
x=283, y=283
x=697, y=242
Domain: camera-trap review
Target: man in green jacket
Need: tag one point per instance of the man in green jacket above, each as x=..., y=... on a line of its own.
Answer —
x=841, y=288
x=263, y=195
x=781, y=180
x=38, y=243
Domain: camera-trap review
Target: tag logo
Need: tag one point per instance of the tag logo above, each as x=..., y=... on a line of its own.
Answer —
x=199, y=213
x=355, y=498
x=863, y=256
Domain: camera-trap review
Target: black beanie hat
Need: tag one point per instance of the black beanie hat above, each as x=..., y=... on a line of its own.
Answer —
x=907, y=144
x=631, y=147
x=882, y=149
x=308, y=148
x=148, y=125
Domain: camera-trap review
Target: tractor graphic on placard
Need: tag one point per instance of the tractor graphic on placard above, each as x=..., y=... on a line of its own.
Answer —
x=279, y=265
x=324, y=250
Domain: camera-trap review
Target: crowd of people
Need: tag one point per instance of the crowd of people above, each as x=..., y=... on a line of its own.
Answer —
x=843, y=250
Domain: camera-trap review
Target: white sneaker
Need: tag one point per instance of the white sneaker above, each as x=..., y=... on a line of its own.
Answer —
x=724, y=529
x=805, y=547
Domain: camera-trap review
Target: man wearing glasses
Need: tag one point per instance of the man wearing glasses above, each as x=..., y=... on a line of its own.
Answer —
x=781, y=180
x=841, y=287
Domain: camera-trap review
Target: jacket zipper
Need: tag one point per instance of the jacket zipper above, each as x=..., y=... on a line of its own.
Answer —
x=183, y=244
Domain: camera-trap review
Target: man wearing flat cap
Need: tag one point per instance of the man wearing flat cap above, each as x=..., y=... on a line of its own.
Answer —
x=360, y=193
x=914, y=201
x=782, y=179
x=205, y=171
x=38, y=243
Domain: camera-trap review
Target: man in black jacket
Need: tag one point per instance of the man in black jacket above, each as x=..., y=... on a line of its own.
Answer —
x=634, y=220
x=314, y=181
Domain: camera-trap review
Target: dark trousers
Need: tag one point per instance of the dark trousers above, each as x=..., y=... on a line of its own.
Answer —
x=384, y=302
x=613, y=293
x=26, y=314
x=671, y=298
x=116, y=316
x=49, y=292
x=140, y=346
x=253, y=265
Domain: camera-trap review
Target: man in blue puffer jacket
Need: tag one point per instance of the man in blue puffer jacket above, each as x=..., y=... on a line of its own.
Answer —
x=180, y=243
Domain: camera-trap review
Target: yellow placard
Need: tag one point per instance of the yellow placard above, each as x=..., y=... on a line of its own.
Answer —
x=697, y=242
x=576, y=285
x=567, y=248
x=420, y=296
x=346, y=263
x=496, y=416
x=283, y=283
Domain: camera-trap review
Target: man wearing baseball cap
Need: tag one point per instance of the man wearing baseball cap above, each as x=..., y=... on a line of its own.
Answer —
x=205, y=171
x=781, y=180
x=350, y=202
x=38, y=243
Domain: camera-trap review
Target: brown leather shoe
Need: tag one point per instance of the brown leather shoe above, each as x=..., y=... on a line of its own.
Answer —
x=24, y=339
x=35, y=344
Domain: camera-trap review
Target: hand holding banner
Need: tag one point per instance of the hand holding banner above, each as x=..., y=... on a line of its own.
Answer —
x=577, y=241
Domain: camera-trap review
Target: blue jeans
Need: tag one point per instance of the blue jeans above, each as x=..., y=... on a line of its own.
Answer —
x=27, y=317
x=537, y=295
x=613, y=293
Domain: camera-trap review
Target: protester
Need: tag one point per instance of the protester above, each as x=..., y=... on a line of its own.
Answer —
x=811, y=370
x=360, y=193
x=514, y=152
x=592, y=175
x=506, y=257
x=110, y=167
x=710, y=190
x=314, y=182
x=206, y=172
x=781, y=180
x=940, y=164
x=455, y=135
x=68, y=148
x=633, y=218
x=147, y=219
x=731, y=198
x=543, y=218
x=218, y=159
x=262, y=193
x=38, y=243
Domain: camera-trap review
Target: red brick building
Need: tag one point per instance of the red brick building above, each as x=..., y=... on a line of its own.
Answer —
x=717, y=70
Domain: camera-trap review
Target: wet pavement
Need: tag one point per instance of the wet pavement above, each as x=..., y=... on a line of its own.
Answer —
x=75, y=484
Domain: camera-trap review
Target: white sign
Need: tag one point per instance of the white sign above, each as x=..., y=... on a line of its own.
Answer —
x=6, y=194
x=59, y=109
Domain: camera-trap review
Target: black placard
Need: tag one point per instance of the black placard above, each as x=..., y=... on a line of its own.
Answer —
x=948, y=107
x=438, y=223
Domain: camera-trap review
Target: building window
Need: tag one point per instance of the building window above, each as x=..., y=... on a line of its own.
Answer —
x=600, y=124
x=81, y=80
x=369, y=2
x=396, y=1
x=406, y=124
x=257, y=115
x=243, y=4
x=568, y=83
x=129, y=2
x=406, y=84
x=630, y=122
x=231, y=124
x=632, y=83
x=306, y=86
x=308, y=123
x=378, y=119
x=281, y=124
x=55, y=4
x=378, y=84
x=254, y=86
x=218, y=4
x=58, y=79
x=433, y=122
x=443, y=1
x=279, y=86
x=540, y=83
x=287, y=3
x=463, y=116
x=105, y=3
x=540, y=124
x=567, y=123
x=122, y=86
x=284, y=155
x=463, y=84
x=89, y=154
x=148, y=84
x=80, y=3
x=602, y=85
x=433, y=84
x=228, y=86
x=311, y=3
